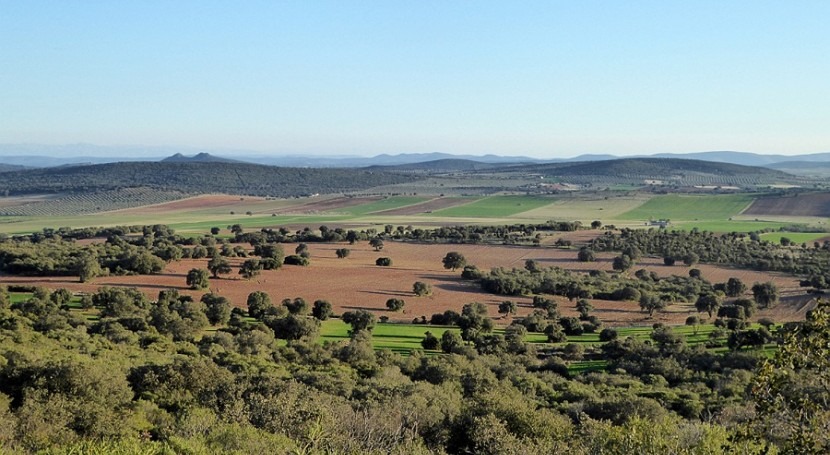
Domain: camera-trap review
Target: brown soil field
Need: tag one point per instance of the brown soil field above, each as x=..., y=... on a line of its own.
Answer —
x=811, y=204
x=326, y=205
x=207, y=201
x=357, y=283
x=427, y=206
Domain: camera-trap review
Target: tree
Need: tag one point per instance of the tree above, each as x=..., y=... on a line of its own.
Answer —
x=302, y=250
x=250, y=268
x=258, y=304
x=376, y=243
x=395, y=304
x=693, y=321
x=451, y=342
x=474, y=320
x=585, y=255
x=272, y=255
x=88, y=267
x=430, y=341
x=584, y=307
x=421, y=289
x=669, y=260
x=790, y=391
x=321, y=310
x=735, y=287
x=217, y=308
x=708, y=302
x=198, y=279
x=343, y=253
x=695, y=273
x=532, y=266
x=454, y=260
x=508, y=307
x=608, y=334
x=297, y=306
x=765, y=294
x=596, y=224
x=215, y=230
x=360, y=320
x=219, y=265
x=351, y=237
x=622, y=263
x=691, y=259
x=651, y=303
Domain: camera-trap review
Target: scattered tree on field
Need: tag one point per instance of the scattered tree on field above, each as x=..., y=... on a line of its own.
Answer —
x=343, y=253
x=765, y=294
x=395, y=304
x=421, y=289
x=219, y=265
x=250, y=268
x=454, y=260
x=376, y=243
x=198, y=279
x=508, y=308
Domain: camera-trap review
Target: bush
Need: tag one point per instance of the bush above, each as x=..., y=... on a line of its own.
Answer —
x=296, y=259
x=421, y=289
x=383, y=262
x=430, y=342
x=395, y=304
x=608, y=334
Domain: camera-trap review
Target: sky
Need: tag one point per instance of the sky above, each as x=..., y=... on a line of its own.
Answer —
x=545, y=79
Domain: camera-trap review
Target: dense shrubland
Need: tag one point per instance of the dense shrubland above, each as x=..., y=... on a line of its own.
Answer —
x=143, y=376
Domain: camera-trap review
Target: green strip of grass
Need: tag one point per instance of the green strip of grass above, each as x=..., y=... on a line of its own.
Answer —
x=690, y=207
x=495, y=206
x=389, y=203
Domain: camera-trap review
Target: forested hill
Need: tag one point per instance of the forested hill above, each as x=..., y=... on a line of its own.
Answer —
x=668, y=169
x=196, y=177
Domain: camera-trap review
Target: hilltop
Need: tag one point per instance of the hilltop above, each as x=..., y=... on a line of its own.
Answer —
x=198, y=158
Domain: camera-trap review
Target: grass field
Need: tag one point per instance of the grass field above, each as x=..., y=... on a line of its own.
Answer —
x=383, y=204
x=495, y=206
x=690, y=207
x=797, y=237
x=400, y=338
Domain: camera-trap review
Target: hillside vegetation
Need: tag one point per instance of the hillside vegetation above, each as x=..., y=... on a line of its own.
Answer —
x=196, y=177
x=671, y=171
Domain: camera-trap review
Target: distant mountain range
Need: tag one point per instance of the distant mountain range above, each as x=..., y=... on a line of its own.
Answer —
x=29, y=155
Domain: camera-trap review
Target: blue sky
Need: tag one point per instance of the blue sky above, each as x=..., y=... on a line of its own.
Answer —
x=545, y=79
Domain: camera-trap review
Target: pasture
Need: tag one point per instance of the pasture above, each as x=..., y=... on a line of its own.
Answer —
x=495, y=206
x=677, y=207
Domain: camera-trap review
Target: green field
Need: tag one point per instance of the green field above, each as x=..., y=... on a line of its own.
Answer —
x=797, y=237
x=401, y=338
x=383, y=204
x=690, y=207
x=495, y=206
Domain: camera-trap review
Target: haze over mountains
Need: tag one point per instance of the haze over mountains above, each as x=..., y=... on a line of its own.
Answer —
x=34, y=155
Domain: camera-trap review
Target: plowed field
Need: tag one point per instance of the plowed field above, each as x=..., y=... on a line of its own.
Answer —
x=356, y=282
x=813, y=204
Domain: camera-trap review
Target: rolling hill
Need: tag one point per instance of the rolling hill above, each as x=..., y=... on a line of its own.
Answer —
x=672, y=171
x=197, y=177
